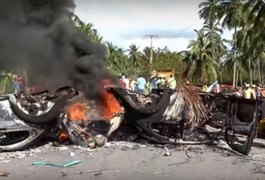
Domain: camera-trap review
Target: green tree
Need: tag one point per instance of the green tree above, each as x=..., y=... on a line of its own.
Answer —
x=86, y=28
x=117, y=60
x=134, y=57
x=199, y=60
x=6, y=83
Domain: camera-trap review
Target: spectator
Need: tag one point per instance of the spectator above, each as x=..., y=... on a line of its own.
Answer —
x=258, y=92
x=126, y=82
x=248, y=92
x=140, y=84
x=16, y=84
x=153, y=81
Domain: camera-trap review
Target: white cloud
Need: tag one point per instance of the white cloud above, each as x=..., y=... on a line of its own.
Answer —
x=126, y=22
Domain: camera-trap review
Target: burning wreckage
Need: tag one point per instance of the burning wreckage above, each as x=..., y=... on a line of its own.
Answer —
x=179, y=116
x=44, y=40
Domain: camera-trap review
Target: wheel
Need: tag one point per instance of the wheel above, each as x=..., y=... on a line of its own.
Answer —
x=53, y=113
x=19, y=139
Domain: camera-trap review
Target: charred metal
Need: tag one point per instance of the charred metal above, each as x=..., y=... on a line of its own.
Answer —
x=166, y=116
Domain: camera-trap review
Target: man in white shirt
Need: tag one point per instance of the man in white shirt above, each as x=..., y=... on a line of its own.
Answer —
x=126, y=81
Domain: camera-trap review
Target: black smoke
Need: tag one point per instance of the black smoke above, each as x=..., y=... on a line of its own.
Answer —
x=38, y=36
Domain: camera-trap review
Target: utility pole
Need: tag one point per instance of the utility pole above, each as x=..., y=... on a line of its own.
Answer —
x=151, y=36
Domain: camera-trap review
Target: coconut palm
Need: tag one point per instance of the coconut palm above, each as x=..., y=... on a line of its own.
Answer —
x=117, y=60
x=86, y=28
x=134, y=57
x=210, y=11
x=232, y=18
x=202, y=64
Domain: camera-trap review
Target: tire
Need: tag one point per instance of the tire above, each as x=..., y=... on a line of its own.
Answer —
x=51, y=115
x=34, y=136
x=130, y=105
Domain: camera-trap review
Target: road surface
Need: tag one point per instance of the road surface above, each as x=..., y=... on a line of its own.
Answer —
x=133, y=161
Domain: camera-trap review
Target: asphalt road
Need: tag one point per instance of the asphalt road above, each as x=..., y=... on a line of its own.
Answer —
x=123, y=160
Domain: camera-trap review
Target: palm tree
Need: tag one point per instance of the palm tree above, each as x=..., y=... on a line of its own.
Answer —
x=134, y=57
x=233, y=19
x=213, y=34
x=86, y=28
x=210, y=11
x=255, y=11
x=201, y=62
x=117, y=60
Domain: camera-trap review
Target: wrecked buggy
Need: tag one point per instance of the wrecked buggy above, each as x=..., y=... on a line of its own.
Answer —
x=166, y=116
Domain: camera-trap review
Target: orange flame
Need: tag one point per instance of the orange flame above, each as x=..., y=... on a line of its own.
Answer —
x=110, y=106
x=77, y=111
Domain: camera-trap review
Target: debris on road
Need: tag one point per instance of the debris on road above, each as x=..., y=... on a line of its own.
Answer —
x=4, y=174
x=68, y=164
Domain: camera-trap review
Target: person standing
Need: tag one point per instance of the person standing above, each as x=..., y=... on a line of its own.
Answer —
x=153, y=81
x=258, y=92
x=140, y=84
x=16, y=84
x=248, y=92
x=126, y=81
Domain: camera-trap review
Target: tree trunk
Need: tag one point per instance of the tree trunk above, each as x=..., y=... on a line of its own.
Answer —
x=234, y=69
x=237, y=71
x=250, y=71
x=241, y=79
x=259, y=71
x=234, y=75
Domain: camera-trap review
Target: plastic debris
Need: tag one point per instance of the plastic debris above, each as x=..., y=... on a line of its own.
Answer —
x=3, y=173
x=68, y=164
x=167, y=152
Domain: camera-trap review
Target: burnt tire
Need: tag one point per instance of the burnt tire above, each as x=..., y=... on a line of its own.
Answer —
x=130, y=104
x=20, y=143
x=51, y=115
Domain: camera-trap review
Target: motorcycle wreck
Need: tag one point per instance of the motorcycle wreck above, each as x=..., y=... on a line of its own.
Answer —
x=165, y=116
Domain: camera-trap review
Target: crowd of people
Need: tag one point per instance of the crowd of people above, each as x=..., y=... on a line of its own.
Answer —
x=250, y=91
x=145, y=86
x=247, y=91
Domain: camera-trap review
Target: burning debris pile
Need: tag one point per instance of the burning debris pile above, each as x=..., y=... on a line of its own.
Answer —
x=38, y=37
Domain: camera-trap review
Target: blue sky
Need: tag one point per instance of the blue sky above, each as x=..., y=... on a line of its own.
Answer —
x=126, y=22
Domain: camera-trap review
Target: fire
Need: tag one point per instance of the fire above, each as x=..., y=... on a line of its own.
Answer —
x=110, y=106
x=107, y=110
x=77, y=111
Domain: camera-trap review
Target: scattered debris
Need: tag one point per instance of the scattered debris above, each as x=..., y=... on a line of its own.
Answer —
x=4, y=174
x=68, y=164
x=98, y=174
x=167, y=152
x=71, y=154
x=100, y=170
x=64, y=174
